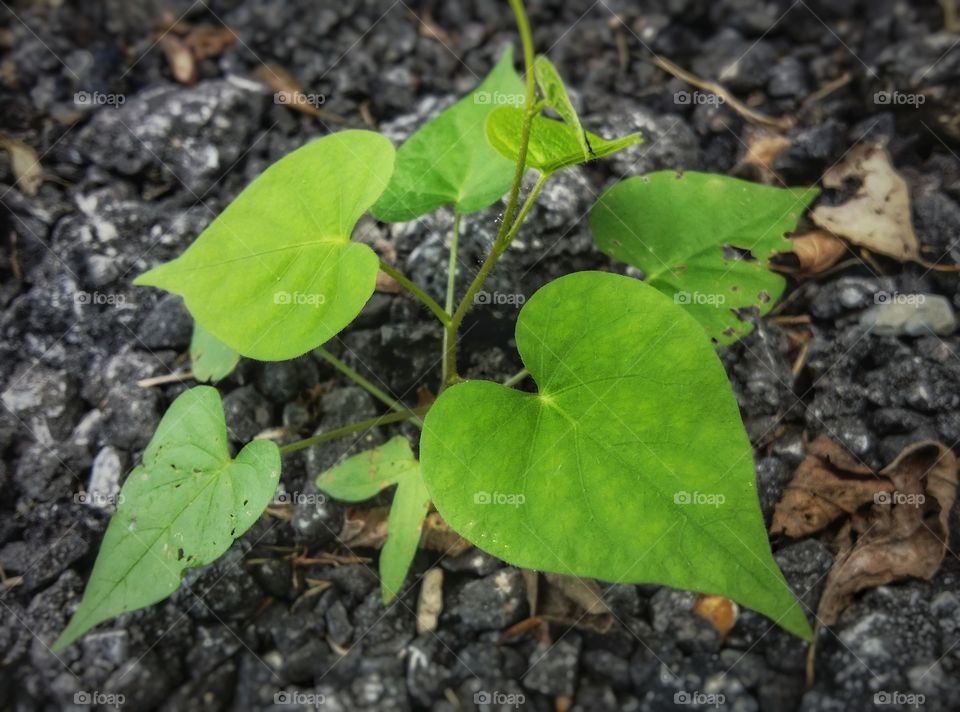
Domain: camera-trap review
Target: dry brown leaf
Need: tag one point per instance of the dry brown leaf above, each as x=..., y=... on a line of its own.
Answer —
x=367, y=527
x=763, y=150
x=878, y=216
x=829, y=483
x=720, y=611
x=903, y=535
x=206, y=41
x=25, y=164
x=817, y=251
x=285, y=84
x=430, y=601
x=183, y=66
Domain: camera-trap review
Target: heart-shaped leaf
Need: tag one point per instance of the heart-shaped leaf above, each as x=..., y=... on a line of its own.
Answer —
x=448, y=159
x=276, y=274
x=182, y=508
x=363, y=476
x=210, y=358
x=703, y=239
x=553, y=144
x=556, y=97
x=630, y=464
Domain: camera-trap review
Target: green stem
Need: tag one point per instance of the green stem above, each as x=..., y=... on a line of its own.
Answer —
x=499, y=247
x=516, y=378
x=504, y=236
x=351, y=429
x=450, y=335
x=407, y=284
x=365, y=384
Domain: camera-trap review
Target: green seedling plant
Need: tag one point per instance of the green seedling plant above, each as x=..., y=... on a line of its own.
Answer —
x=627, y=461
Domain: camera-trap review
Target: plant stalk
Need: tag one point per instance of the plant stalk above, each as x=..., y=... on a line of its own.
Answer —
x=516, y=378
x=449, y=369
x=354, y=428
x=416, y=291
x=502, y=241
x=364, y=383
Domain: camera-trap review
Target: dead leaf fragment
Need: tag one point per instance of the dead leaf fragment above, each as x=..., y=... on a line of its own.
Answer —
x=902, y=536
x=288, y=92
x=896, y=521
x=720, y=611
x=817, y=251
x=430, y=601
x=183, y=66
x=763, y=150
x=25, y=164
x=878, y=216
x=829, y=483
x=367, y=527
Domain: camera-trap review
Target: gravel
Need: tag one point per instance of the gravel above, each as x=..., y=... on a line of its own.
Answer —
x=272, y=625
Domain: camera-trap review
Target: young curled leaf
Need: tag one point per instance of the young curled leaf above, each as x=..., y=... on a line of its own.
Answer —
x=181, y=508
x=556, y=97
x=553, y=145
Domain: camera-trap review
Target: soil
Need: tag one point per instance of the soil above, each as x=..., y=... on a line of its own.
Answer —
x=130, y=185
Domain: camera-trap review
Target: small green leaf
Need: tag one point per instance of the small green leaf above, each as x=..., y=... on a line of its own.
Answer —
x=182, y=508
x=448, y=159
x=556, y=97
x=553, y=145
x=276, y=274
x=629, y=465
x=211, y=359
x=363, y=476
x=404, y=525
x=679, y=229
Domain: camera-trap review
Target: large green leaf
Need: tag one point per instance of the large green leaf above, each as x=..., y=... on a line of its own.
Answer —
x=556, y=97
x=448, y=159
x=363, y=476
x=630, y=464
x=553, y=144
x=276, y=274
x=679, y=229
x=182, y=508
x=210, y=358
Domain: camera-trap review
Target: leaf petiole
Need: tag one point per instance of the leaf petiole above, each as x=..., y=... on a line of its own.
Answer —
x=364, y=383
x=354, y=428
x=416, y=291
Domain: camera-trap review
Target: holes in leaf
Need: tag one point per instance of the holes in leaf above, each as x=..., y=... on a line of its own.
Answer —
x=763, y=296
x=733, y=253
